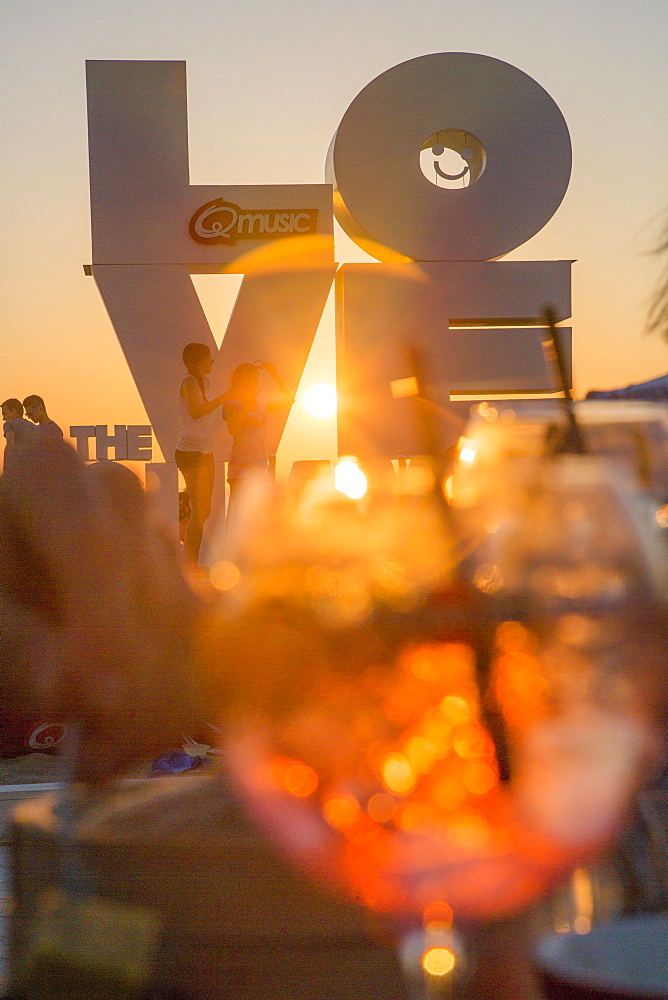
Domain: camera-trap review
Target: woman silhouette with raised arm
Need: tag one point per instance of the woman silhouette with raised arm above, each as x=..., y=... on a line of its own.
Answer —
x=246, y=418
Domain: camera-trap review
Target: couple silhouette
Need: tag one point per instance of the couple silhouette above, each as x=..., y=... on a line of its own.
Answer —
x=245, y=414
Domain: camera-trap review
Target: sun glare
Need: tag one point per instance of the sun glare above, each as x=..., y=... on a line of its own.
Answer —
x=319, y=400
x=349, y=479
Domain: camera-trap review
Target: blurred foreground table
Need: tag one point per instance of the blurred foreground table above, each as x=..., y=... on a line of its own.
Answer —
x=237, y=922
x=241, y=924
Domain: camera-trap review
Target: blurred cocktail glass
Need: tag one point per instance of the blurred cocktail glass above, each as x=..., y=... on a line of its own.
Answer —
x=433, y=706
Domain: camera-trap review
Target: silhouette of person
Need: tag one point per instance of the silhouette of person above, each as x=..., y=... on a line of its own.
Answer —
x=19, y=432
x=35, y=410
x=246, y=418
x=194, y=448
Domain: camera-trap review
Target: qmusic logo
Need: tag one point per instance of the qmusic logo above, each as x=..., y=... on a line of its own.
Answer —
x=221, y=221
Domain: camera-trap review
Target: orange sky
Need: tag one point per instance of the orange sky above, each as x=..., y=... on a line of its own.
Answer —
x=268, y=85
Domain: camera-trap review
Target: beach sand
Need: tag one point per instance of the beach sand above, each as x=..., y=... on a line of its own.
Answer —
x=29, y=769
x=36, y=768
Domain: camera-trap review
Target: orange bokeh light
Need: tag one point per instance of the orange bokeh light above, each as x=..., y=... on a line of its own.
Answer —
x=416, y=816
x=421, y=753
x=381, y=807
x=426, y=663
x=341, y=811
x=437, y=914
x=512, y=637
x=479, y=778
x=472, y=741
x=224, y=575
x=438, y=961
x=520, y=687
x=294, y=777
x=455, y=709
x=397, y=774
x=470, y=831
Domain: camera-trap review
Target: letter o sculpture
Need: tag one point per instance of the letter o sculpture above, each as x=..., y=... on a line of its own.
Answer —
x=388, y=206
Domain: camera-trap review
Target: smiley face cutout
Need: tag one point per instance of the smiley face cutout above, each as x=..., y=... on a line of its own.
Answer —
x=452, y=158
